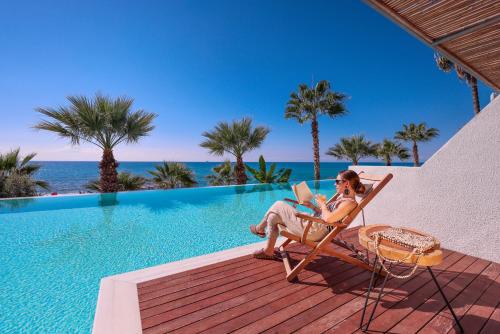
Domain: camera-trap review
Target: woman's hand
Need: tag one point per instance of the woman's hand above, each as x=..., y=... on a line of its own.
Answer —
x=320, y=199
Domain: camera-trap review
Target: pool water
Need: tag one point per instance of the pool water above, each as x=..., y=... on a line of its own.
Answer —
x=54, y=251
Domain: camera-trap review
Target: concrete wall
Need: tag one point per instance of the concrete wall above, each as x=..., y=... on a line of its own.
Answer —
x=455, y=195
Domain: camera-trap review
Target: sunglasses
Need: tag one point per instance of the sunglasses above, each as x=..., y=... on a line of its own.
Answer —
x=337, y=182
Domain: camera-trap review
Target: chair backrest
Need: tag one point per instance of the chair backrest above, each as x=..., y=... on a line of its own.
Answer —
x=379, y=182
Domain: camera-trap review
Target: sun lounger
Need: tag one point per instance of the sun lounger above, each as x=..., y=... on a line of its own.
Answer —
x=329, y=243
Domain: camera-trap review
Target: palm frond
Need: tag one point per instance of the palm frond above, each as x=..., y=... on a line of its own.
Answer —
x=263, y=175
x=129, y=181
x=236, y=138
x=12, y=163
x=102, y=121
x=173, y=175
x=353, y=148
x=305, y=104
x=222, y=174
x=416, y=133
x=389, y=149
x=93, y=186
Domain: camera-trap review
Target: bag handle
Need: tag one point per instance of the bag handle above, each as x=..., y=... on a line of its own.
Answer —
x=382, y=259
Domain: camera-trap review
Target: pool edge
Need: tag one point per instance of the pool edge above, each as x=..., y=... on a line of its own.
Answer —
x=117, y=309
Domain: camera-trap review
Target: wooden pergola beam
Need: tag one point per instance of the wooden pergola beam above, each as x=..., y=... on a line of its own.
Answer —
x=418, y=33
x=466, y=30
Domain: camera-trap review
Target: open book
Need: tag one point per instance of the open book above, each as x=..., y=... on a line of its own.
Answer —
x=302, y=192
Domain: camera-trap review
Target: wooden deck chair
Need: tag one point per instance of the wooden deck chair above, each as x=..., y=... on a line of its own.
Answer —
x=327, y=244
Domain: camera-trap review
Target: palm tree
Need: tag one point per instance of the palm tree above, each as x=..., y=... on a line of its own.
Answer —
x=415, y=133
x=13, y=163
x=269, y=176
x=103, y=122
x=126, y=182
x=353, y=148
x=308, y=103
x=236, y=138
x=446, y=65
x=222, y=175
x=173, y=175
x=389, y=149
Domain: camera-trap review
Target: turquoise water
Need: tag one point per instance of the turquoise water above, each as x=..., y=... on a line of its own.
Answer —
x=54, y=251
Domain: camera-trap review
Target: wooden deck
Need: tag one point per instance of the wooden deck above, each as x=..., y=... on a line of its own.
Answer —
x=246, y=295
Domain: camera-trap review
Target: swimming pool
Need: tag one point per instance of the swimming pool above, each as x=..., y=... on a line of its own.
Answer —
x=54, y=251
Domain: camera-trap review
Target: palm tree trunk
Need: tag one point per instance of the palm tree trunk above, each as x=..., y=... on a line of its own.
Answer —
x=415, y=154
x=315, y=136
x=388, y=162
x=109, y=176
x=241, y=176
x=475, y=95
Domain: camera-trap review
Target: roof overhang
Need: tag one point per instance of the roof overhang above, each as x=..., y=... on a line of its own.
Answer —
x=465, y=31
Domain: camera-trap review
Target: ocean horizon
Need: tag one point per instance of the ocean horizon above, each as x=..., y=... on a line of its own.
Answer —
x=72, y=176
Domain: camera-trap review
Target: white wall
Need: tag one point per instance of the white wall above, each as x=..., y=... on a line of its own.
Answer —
x=455, y=195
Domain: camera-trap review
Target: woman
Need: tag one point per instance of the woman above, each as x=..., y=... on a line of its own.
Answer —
x=347, y=185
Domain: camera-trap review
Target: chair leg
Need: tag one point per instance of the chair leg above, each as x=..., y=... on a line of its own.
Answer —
x=292, y=273
x=284, y=244
x=286, y=259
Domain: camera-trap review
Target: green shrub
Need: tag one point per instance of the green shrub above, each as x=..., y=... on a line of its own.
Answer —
x=18, y=185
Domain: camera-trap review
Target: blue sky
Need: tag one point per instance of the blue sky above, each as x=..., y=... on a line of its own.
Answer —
x=195, y=63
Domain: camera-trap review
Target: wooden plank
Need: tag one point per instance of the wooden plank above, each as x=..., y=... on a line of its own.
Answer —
x=443, y=322
x=299, y=314
x=412, y=295
x=182, y=277
x=165, y=295
x=187, y=273
x=426, y=311
x=165, y=288
x=481, y=311
x=258, y=296
x=347, y=317
x=281, y=290
x=313, y=294
x=493, y=324
x=205, y=291
x=350, y=313
x=210, y=296
x=254, y=297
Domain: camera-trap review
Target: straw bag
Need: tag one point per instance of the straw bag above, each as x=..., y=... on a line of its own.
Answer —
x=419, y=244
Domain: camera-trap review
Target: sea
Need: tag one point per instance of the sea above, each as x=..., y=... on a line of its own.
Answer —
x=72, y=176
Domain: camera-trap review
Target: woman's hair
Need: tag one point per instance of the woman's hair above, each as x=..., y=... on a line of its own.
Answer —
x=353, y=178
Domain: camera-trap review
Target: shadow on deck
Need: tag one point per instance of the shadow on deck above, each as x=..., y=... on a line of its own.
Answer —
x=245, y=295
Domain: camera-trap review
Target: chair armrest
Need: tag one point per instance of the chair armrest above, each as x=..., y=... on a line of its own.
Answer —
x=291, y=200
x=294, y=202
x=310, y=218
